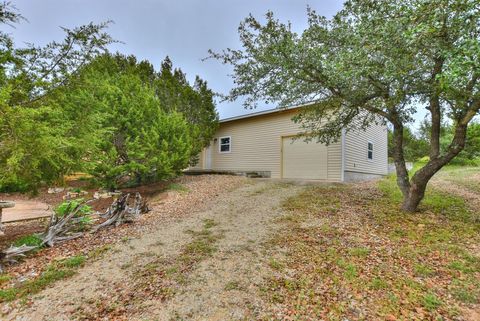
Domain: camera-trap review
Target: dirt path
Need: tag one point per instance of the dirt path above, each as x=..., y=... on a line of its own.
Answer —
x=218, y=286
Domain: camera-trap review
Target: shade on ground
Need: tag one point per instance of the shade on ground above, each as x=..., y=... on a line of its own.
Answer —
x=26, y=210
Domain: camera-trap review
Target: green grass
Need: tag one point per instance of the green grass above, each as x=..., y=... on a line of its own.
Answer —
x=74, y=261
x=378, y=284
x=275, y=264
x=450, y=206
x=29, y=240
x=463, y=176
x=208, y=223
x=431, y=302
x=4, y=278
x=56, y=271
x=423, y=270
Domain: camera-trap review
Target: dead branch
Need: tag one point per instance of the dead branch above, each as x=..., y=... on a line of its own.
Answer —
x=66, y=227
x=63, y=228
x=121, y=212
x=11, y=254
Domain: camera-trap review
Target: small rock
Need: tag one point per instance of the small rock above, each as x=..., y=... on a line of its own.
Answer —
x=55, y=190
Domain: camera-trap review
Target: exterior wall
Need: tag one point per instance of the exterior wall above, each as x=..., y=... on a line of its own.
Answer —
x=360, y=177
x=256, y=145
x=201, y=162
x=356, y=160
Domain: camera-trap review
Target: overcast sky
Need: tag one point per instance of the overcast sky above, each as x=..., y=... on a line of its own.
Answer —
x=181, y=29
x=153, y=29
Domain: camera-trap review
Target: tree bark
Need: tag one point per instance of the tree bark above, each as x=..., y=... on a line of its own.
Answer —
x=436, y=126
x=435, y=111
x=419, y=181
x=400, y=167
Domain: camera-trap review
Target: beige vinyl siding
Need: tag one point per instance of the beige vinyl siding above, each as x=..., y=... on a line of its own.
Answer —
x=335, y=162
x=301, y=159
x=256, y=145
x=356, y=150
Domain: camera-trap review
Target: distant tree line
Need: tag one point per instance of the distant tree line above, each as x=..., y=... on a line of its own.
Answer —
x=417, y=144
x=72, y=106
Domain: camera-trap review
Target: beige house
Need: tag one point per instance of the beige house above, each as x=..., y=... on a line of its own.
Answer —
x=264, y=144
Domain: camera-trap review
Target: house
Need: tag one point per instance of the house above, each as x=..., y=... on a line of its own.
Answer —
x=264, y=144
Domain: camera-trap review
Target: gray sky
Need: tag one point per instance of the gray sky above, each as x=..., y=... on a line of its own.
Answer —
x=181, y=29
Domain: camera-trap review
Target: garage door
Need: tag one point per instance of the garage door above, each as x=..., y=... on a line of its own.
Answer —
x=303, y=160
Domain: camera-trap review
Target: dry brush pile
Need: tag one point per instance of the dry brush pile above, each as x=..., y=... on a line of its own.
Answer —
x=71, y=222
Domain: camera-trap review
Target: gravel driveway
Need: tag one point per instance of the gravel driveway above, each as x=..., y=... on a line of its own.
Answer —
x=216, y=285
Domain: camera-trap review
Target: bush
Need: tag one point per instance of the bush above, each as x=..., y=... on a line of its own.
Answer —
x=143, y=142
x=68, y=206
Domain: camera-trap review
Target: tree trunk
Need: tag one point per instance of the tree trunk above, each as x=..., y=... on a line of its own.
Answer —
x=415, y=194
x=419, y=181
x=400, y=167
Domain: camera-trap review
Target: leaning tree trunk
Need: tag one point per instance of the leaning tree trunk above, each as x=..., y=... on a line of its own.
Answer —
x=415, y=194
x=419, y=181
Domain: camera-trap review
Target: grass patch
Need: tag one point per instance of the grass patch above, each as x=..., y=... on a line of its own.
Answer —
x=465, y=295
x=465, y=176
x=431, y=302
x=4, y=278
x=74, y=261
x=208, y=223
x=28, y=240
x=159, y=278
x=357, y=249
x=177, y=187
x=423, y=270
x=350, y=272
x=56, y=271
x=378, y=284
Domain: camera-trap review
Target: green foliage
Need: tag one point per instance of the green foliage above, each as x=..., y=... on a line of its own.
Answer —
x=470, y=155
x=68, y=206
x=70, y=106
x=194, y=102
x=41, y=141
x=413, y=148
x=147, y=136
x=374, y=62
x=29, y=240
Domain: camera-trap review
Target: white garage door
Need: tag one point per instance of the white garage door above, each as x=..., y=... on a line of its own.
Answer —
x=303, y=160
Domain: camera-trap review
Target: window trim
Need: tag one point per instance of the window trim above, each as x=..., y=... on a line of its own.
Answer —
x=370, y=150
x=229, y=144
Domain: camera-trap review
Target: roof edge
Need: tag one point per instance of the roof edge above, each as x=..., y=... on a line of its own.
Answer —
x=263, y=112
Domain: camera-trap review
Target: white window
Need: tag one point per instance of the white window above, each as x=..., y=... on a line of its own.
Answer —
x=370, y=150
x=225, y=144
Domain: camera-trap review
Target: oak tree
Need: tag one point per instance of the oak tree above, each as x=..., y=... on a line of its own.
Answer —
x=374, y=61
